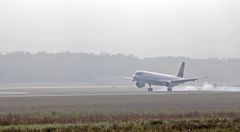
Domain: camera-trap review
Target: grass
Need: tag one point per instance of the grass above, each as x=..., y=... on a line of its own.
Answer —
x=55, y=121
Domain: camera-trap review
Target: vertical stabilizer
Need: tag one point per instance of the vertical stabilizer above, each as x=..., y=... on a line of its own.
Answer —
x=181, y=71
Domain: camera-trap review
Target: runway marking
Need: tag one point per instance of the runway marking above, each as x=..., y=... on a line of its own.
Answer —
x=13, y=93
x=64, y=87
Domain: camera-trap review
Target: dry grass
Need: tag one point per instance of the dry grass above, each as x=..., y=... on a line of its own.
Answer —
x=220, y=125
x=54, y=121
x=69, y=118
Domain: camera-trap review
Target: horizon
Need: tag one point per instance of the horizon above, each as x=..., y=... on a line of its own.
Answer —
x=115, y=54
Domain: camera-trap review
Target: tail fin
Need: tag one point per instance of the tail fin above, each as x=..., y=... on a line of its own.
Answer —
x=181, y=71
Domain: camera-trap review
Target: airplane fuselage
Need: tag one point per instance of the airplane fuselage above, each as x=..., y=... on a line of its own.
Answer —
x=153, y=78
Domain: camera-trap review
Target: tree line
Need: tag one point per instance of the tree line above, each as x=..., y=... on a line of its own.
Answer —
x=87, y=67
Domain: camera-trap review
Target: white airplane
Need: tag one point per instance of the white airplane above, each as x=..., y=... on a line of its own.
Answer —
x=151, y=78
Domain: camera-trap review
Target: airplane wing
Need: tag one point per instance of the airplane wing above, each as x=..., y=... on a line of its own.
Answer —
x=187, y=80
x=127, y=78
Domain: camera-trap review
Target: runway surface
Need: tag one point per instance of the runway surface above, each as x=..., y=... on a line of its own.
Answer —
x=108, y=99
x=98, y=91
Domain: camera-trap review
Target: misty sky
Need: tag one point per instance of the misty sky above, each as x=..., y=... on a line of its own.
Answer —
x=192, y=28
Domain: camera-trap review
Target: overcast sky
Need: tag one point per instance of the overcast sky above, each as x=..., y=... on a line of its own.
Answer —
x=192, y=28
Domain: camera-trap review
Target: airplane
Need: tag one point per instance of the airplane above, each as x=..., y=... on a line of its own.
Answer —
x=152, y=78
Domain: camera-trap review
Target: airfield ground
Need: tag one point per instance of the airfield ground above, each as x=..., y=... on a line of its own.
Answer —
x=117, y=109
x=114, y=100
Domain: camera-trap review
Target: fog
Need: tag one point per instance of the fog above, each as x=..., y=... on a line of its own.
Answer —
x=145, y=28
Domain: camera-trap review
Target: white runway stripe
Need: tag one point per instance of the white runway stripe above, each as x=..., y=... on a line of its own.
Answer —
x=13, y=93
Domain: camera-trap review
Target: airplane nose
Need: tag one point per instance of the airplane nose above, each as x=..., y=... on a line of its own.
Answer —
x=133, y=76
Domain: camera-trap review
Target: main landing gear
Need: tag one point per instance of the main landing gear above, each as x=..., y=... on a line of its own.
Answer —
x=169, y=89
x=150, y=89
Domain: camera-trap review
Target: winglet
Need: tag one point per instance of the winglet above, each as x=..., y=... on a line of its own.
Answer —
x=181, y=71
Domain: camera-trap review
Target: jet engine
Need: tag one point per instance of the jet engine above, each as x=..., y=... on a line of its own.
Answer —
x=140, y=84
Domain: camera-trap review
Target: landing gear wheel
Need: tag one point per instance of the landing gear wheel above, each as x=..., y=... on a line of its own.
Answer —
x=169, y=89
x=150, y=89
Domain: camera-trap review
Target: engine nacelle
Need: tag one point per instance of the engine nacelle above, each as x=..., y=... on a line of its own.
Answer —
x=140, y=84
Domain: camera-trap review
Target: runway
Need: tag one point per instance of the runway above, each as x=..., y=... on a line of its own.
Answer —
x=109, y=99
x=68, y=91
x=97, y=91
